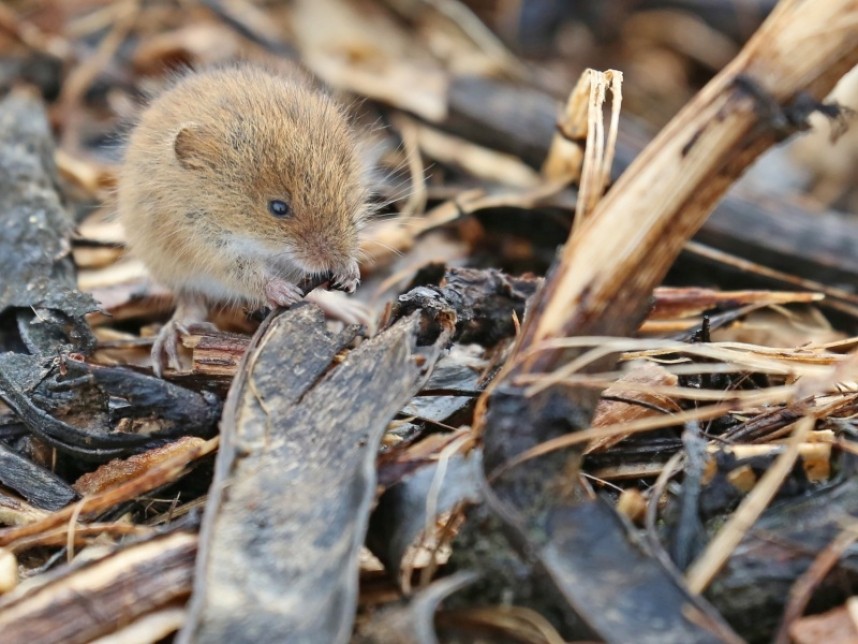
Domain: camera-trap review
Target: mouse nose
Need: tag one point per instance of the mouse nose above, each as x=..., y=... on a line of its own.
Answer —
x=327, y=254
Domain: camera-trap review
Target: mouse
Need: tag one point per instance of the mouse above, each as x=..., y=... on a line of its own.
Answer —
x=238, y=183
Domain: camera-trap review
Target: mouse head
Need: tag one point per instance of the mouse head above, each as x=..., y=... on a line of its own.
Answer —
x=280, y=176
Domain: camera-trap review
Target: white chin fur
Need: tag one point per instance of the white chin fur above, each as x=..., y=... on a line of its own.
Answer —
x=280, y=262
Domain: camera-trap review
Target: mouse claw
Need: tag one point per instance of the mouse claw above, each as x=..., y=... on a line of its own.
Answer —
x=191, y=311
x=165, y=348
x=280, y=292
x=348, y=279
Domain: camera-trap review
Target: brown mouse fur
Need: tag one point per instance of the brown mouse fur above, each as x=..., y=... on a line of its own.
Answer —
x=201, y=170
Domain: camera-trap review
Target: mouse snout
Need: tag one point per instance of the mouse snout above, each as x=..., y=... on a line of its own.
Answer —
x=326, y=254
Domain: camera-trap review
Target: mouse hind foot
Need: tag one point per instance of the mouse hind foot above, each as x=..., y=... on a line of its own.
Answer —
x=190, y=311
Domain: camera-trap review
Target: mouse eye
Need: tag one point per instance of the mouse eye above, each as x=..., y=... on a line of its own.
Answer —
x=279, y=208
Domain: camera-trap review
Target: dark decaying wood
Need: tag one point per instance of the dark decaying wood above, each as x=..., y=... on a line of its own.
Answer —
x=81, y=393
x=65, y=402
x=38, y=278
x=755, y=585
x=544, y=514
x=487, y=302
x=784, y=236
x=287, y=517
x=586, y=541
x=41, y=487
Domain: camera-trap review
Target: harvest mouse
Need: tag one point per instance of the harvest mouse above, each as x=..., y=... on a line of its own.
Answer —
x=237, y=183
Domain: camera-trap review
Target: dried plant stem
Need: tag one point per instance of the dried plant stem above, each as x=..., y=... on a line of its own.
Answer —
x=600, y=149
x=581, y=151
x=609, y=269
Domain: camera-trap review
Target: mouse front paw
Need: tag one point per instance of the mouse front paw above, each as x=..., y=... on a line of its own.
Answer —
x=280, y=292
x=348, y=279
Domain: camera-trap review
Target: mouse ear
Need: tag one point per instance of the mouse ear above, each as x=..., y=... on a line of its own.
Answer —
x=196, y=148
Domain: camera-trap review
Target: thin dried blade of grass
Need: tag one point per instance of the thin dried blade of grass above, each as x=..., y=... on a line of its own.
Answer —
x=412, y=622
x=849, y=302
x=384, y=240
x=730, y=357
x=815, y=459
x=409, y=132
x=431, y=508
x=823, y=385
x=72, y=536
x=669, y=302
x=639, y=426
x=517, y=622
x=755, y=396
x=599, y=151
